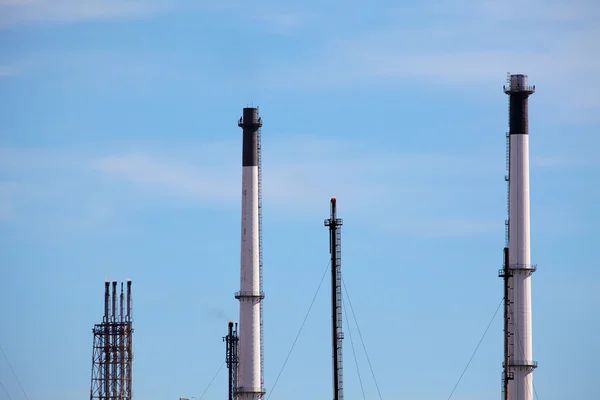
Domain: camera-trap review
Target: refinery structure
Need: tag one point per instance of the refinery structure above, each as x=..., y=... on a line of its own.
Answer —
x=112, y=349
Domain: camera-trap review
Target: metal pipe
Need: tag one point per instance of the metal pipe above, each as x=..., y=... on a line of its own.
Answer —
x=507, y=375
x=114, y=340
x=128, y=301
x=106, y=339
x=122, y=330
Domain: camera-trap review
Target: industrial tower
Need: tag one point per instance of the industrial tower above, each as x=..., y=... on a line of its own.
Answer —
x=232, y=358
x=250, y=369
x=335, y=248
x=112, y=353
x=518, y=356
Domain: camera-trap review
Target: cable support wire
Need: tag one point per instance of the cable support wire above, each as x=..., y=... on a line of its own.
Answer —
x=5, y=391
x=520, y=343
x=476, y=348
x=361, y=338
x=14, y=374
x=353, y=351
x=211, y=381
x=300, y=330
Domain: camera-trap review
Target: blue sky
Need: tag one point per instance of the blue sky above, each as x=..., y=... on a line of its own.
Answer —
x=120, y=158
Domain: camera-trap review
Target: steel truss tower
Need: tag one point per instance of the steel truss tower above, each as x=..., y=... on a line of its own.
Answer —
x=335, y=248
x=518, y=365
x=112, y=352
x=231, y=358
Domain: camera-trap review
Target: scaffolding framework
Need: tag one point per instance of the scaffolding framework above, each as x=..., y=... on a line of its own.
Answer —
x=112, y=350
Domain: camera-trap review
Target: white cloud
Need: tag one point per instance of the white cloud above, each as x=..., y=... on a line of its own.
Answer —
x=170, y=177
x=299, y=180
x=8, y=193
x=22, y=11
x=300, y=177
x=285, y=23
x=8, y=70
x=565, y=162
x=444, y=227
x=15, y=12
x=6, y=210
x=471, y=44
x=427, y=194
x=537, y=10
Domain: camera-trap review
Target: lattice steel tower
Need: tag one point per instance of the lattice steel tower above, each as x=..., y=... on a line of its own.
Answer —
x=231, y=358
x=335, y=248
x=112, y=354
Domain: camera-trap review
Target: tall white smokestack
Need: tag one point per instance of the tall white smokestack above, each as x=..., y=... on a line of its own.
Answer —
x=519, y=354
x=249, y=385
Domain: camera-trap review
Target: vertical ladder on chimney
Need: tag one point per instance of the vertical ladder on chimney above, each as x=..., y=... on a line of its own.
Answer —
x=338, y=289
x=260, y=256
x=507, y=179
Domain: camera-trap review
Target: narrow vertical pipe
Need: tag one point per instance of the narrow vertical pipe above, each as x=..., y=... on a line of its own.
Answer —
x=114, y=301
x=121, y=303
x=114, y=343
x=121, y=345
x=106, y=300
x=236, y=359
x=507, y=375
x=128, y=301
x=106, y=340
x=128, y=341
x=230, y=362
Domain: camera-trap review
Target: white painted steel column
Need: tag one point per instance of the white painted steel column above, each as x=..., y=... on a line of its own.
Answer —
x=519, y=257
x=249, y=380
x=249, y=350
x=521, y=362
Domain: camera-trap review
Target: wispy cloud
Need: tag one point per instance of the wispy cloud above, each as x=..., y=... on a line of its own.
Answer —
x=9, y=70
x=285, y=23
x=444, y=227
x=8, y=190
x=566, y=162
x=461, y=43
x=14, y=12
x=370, y=183
x=21, y=11
x=425, y=194
x=301, y=174
x=170, y=177
x=504, y=10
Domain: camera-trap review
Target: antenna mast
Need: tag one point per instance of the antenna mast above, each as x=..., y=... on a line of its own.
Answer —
x=231, y=358
x=335, y=248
